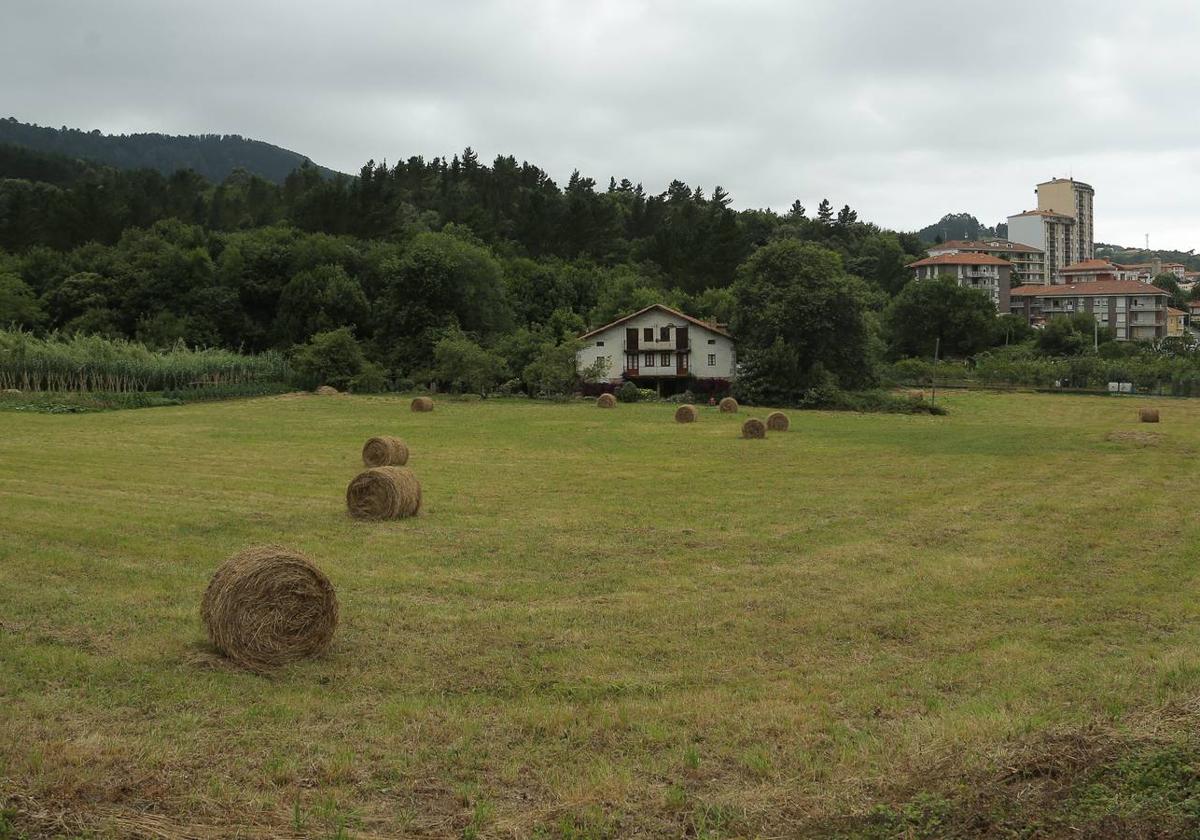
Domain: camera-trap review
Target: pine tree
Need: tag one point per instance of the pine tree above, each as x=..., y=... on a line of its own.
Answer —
x=825, y=212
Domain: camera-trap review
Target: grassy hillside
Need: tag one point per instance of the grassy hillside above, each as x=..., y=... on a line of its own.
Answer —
x=212, y=155
x=608, y=625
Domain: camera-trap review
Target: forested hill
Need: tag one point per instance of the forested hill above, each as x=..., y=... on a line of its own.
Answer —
x=214, y=156
x=959, y=226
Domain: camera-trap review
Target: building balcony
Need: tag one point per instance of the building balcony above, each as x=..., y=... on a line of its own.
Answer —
x=657, y=347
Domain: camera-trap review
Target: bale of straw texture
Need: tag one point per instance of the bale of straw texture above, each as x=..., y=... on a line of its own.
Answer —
x=728, y=405
x=422, y=404
x=384, y=493
x=606, y=401
x=385, y=451
x=1148, y=415
x=268, y=606
x=777, y=421
x=685, y=414
x=754, y=429
x=328, y=391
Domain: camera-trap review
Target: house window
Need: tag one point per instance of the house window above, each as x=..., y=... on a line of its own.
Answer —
x=664, y=333
x=648, y=334
x=683, y=361
x=712, y=359
x=648, y=360
x=599, y=343
x=712, y=341
x=631, y=360
x=664, y=360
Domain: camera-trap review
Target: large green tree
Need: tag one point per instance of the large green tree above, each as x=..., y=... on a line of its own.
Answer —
x=939, y=314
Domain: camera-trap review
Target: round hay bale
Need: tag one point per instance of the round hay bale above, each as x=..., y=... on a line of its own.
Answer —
x=777, y=421
x=686, y=414
x=606, y=401
x=328, y=391
x=1148, y=415
x=384, y=493
x=268, y=606
x=385, y=451
x=754, y=429
x=728, y=405
x=422, y=404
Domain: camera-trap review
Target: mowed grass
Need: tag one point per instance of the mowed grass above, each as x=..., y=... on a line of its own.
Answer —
x=603, y=624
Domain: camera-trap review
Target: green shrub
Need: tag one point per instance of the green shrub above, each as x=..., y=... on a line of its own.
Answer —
x=372, y=379
x=647, y=395
x=629, y=393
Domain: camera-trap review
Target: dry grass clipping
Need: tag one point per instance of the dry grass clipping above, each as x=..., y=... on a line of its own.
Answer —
x=754, y=429
x=606, y=401
x=328, y=391
x=685, y=414
x=1148, y=415
x=1137, y=438
x=385, y=451
x=267, y=606
x=384, y=493
x=728, y=405
x=777, y=421
x=422, y=404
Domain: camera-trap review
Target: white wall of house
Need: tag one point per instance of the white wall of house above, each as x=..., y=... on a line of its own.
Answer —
x=1028, y=230
x=712, y=355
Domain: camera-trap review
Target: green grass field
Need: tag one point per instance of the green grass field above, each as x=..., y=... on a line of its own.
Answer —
x=605, y=624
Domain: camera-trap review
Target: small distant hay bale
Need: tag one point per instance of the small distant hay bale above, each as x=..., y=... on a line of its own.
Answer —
x=728, y=405
x=606, y=401
x=754, y=429
x=422, y=404
x=385, y=451
x=12, y=390
x=1148, y=415
x=268, y=606
x=777, y=421
x=685, y=414
x=328, y=391
x=384, y=493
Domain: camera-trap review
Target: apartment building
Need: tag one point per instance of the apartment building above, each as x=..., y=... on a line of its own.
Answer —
x=659, y=347
x=984, y=272
x=1176, y=318
x=1135, y=311
x=1048, y=232
x=1028, y=263
x=1075, y=199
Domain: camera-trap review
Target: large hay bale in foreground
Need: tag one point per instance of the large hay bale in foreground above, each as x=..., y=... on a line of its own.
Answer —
x=777, y=421
x=1148, y=415
x=384, y=493
x=385, y=451
x=685, y=414
x=268, y=606
x=328, y=391
x=728, y=405
x=606, y=401
x=422, y=404
x=754, y=429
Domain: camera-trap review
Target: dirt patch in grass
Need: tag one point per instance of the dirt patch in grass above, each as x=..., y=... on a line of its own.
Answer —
x=1135, y=438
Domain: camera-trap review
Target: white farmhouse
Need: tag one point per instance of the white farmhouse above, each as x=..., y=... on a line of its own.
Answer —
x=658, y=347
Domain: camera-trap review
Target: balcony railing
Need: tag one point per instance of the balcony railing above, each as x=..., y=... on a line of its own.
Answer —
x=657, y=347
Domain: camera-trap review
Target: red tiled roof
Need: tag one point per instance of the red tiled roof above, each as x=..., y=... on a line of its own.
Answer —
x=1175, y=311
x=1089, y=266
x=1042, y=213
x=1098, y=287
x=675, y=312
x=961, y=259
x=985, y=245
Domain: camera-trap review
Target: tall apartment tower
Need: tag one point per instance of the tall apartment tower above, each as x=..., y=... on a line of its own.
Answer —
x=1061, y=226
x=1071, y=198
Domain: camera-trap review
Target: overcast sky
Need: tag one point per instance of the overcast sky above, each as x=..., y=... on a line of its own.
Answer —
x=905, y=110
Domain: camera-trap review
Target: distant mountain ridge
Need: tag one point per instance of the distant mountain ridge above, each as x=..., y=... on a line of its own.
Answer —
x=212, y=155
x=960, y=226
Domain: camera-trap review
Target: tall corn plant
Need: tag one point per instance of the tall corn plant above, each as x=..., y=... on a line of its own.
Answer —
x=92, y=363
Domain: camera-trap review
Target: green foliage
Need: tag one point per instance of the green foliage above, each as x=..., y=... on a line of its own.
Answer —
x=937, y=312
x=799, y=318
x=629, y=392
x=1070, y=335
x=553, y=372
x=318, y=300
x=463, y=365
x=331, y=358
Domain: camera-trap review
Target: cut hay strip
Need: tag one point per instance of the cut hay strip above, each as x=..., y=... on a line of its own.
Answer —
x=384, y=493
x=328, y=391
x=777, y=421
x=728, y=405
x=606, y=401
x=422, y=404
x=685, y=414
x=754, y=429
x=385, y=451
x=1148, y=415
x=267, y=606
